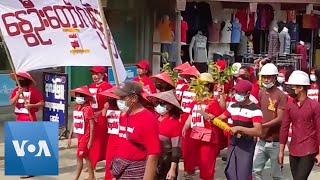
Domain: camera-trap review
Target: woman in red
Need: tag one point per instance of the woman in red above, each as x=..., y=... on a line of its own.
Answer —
x=83, y=125
x=26, y=99
x=112, y=115
x=143, y=77
x=163, y=82
x=168, y=107
x=100, y=139
x=206, y=149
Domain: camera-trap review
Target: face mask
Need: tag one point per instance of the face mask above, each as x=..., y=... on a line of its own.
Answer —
x=122, y=105
x=268, y=86
x=162, y=110
x=80, y=100
x=239, y=98
x=313, y=78
x=280, y=79
x=291, y=92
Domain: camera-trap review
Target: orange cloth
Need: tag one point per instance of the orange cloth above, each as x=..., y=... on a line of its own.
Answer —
x=165, y=31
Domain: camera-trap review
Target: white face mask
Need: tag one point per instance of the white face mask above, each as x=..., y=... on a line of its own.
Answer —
x=162, y=110
x=239, y=98
x=268, y=86
x=80, y=100
x=313, y=78
x=122, y=105
x=281, y=79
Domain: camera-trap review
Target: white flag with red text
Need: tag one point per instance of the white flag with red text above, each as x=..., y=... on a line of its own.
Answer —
x=51, y=33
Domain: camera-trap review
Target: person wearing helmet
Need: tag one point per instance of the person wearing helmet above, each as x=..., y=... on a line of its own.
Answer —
x=303, y=114
x=206, y=149
x=273, y=103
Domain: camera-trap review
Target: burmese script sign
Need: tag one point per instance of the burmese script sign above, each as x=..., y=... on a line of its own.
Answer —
x=50, y=33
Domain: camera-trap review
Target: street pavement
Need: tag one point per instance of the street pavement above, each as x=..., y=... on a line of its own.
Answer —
x=67, y=166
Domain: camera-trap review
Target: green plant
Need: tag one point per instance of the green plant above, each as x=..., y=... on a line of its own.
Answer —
x=167, y=68
x=200, y=89
x=221, y=77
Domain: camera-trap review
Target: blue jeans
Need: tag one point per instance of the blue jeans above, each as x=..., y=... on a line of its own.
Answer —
x=263, y=152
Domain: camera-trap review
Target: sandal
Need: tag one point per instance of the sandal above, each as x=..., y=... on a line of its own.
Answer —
x=25, y=177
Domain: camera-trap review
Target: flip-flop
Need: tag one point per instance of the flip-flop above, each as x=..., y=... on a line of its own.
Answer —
x=25, y=177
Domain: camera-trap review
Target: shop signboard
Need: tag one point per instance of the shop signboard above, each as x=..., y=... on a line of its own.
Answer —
x=131, y=73
x=56, y=98
x=6, y=87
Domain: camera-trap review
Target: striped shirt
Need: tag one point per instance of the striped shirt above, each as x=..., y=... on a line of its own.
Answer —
x=244, y=115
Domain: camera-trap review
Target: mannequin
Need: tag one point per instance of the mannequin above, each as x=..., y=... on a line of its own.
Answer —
x=282, y=24
x=198, y=45
x=274, y=44
x=236, y=31
x=285, y=42
x=243, y=46
x=294, y=30
x=184, y=29
x=214, y=31
x=302, y=49
x=226, y=32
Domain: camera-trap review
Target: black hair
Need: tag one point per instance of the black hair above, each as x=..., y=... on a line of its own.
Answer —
x=112, y=102
x=175, y=112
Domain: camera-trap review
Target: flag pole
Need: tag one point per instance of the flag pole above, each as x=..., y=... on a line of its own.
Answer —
x=12, y=66
x=108, y=38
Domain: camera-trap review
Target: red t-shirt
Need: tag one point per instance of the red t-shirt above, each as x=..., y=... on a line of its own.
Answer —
x=142, y=129
x=99, y=99
x=33, y=96
x=242, y=16
x=184, y=28
x=88, y=115
x=148, y=84
x=170, y=127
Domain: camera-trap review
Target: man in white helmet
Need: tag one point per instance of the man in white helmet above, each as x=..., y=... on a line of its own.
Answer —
x=273, y=104
x=303, y=114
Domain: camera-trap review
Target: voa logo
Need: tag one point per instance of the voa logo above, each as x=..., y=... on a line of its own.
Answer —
x=41, y=148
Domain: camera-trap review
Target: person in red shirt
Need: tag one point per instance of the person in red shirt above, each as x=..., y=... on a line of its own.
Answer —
x=144, y=77
x=112, y=115
x=303, y=114
x=139, y=147
x=313, y=92
x=26, y=99
x=83, y=126
x=99, y=85
x=205, y=150
x=168, y=107
x=163, y=82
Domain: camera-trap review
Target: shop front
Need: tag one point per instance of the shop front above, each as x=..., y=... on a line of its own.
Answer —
x=243, y=31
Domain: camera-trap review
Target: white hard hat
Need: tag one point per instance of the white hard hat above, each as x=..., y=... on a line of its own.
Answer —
x=299, y=78
x=236, y=67
x=269, y=69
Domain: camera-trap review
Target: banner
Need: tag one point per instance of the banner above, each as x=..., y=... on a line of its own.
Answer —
x=6, y=87
x=131, y=72
x=56, y=98
x=56, y=33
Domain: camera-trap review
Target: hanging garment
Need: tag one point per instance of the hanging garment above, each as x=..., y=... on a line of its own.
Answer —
x=285, y=42
x=165, y=31
x=226, y=32
x=243, y=46
x=281, y=25
x=199, y=43
x=242, y=15
x=214, y=32
x=184, y=29
x=291, y=15
x=251, y=21
x=294, y=31
x=236, y=32
x=273, y=47
x=301, y=49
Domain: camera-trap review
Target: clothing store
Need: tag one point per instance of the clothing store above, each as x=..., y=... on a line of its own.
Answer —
x=244, y=32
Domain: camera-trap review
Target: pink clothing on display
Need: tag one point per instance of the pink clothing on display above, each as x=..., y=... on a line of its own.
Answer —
x=184, y=28
x=214, y=32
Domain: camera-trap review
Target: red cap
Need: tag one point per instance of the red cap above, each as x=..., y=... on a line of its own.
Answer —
x=108, y=93
x=193, y=71
x=221, y=64
x=243, y=87
x=183, y=66
x=164, y=77
x=81, y=90
x=282, y=71
x=98, y=69
x=144, y=64
x=25, y=75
